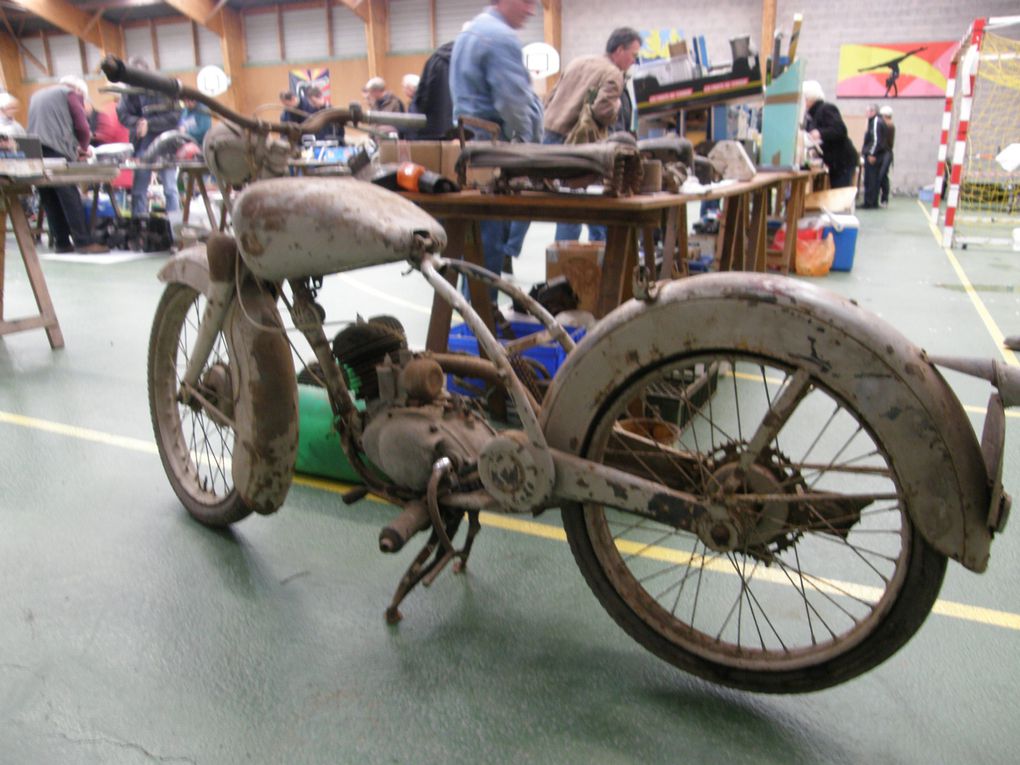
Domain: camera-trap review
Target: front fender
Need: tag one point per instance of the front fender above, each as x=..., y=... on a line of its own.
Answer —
x=880, y=374
x=264, y=382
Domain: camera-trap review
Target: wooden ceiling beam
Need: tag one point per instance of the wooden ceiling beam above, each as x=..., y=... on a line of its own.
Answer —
x=360, y=7
x=377, y=31
x=77, y=22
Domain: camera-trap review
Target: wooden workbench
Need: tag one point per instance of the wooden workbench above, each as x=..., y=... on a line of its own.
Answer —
x=742, y=239
x=17, y=177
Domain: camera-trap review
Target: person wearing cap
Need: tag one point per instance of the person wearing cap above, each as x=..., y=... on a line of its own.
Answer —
x=886, y=114
x=409, y=84
x=57, y=115
x=873, y=151
x=379, y=99
x=824, y=124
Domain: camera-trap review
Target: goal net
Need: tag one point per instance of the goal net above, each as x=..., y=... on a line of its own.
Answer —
x=982, y=204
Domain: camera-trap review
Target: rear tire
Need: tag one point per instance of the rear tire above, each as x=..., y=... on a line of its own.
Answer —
x=813, y=593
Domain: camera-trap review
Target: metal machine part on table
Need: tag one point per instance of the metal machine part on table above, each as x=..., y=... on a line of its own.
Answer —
x=614, y=165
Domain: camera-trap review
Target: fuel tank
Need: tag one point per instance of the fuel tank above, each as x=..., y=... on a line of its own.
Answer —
x=296, y=227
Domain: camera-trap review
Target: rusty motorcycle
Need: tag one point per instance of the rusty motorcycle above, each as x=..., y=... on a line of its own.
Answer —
x=760, y=481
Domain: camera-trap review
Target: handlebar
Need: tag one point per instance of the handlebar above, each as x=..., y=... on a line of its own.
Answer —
x=117, y=71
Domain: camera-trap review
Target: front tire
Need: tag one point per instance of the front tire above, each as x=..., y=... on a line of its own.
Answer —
x=195, y=446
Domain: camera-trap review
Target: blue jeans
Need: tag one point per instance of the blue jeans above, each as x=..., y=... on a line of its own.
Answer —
x=500, y=238
x=571, y=232
x=140, y=190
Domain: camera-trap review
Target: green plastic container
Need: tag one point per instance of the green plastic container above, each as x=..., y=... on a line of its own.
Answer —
x=319, y=451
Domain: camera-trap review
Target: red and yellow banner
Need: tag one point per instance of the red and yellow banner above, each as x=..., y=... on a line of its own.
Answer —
x=894, y=70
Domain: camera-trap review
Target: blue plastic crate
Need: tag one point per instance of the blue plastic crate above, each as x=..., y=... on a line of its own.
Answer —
x=549, y=355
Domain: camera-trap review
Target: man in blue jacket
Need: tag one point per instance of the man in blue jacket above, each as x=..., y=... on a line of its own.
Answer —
x=147, y=116
x=488, y=80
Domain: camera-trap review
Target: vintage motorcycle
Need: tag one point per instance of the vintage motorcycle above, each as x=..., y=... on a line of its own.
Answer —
x=760, y=481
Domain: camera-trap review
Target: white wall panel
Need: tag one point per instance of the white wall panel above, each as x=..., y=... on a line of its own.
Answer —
x=304, y=34
x=176, y=46
x=349, y=39
x=210, y=49
x=93, y=57
x=452, y=14
x=35, y=46
x=138, y=42
x=65, y=55
x=261, y=40
x=410, y=26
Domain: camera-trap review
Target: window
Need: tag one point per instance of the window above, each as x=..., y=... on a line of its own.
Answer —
x=138, y=42
x=348, y=34
x=304, y=34
x=176, y=46
x=261, y=38
x=210, y=51
x=65, y=55
x=410, y=26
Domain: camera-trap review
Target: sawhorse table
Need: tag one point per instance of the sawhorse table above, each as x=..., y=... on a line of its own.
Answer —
x=12, y=188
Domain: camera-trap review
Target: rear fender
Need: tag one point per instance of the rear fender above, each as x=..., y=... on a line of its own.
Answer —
x=878, y=372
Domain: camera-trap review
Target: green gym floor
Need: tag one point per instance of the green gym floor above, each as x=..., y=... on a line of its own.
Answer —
x=130, y=634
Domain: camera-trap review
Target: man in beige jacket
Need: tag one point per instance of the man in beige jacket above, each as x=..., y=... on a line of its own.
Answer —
x=598, y=76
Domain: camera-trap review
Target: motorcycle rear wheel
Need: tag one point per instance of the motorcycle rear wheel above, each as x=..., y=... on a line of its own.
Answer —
x=806, y=594
x=195, y=448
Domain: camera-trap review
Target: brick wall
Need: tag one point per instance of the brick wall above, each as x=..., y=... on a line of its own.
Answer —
x=827, y=25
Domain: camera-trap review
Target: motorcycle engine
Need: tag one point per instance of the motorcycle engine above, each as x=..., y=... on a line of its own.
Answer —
x=411, y=419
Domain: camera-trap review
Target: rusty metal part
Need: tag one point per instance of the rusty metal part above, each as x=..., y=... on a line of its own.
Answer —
x=879, y=374
x=296, y=227
x=518, y=474
x=405, y=442
x=615, y=165
x=423, y=379
x=395, y=534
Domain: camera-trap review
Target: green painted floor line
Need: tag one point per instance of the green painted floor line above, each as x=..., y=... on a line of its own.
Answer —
x=977, y=614
x=993, y=329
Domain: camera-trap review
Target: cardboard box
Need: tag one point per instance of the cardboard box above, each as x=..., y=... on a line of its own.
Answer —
x=581, y=263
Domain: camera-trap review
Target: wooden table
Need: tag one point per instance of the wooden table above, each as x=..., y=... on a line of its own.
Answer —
x=742, y=239
x=15, y=182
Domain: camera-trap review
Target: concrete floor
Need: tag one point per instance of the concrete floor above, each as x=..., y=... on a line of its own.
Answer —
x=130, y=634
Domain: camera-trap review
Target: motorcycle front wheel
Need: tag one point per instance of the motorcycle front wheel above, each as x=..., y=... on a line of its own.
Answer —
x=195, y=439
x=816, y=573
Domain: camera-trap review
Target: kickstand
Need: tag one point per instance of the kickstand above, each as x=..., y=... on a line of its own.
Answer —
x=419, y=572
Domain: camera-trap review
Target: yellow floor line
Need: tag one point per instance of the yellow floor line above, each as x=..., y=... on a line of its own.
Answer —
x=514, y=524
x=979, y=305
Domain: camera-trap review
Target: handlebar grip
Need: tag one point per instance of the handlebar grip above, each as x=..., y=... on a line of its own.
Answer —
x=117, y=71
x=401, y=120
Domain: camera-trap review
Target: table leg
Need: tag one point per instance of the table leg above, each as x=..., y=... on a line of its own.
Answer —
x=620, y=258
x=758, y=229
x=189, y=192
x=794, y=209
x=669, y=244
x=47, y=317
